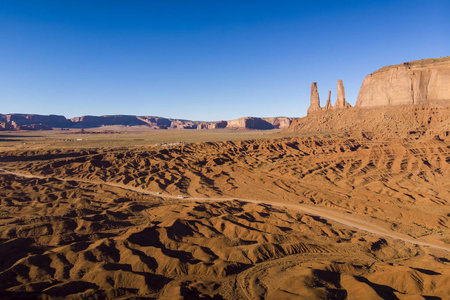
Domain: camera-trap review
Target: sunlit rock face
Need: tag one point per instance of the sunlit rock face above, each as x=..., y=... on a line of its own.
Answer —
x=315, y=101
x=340, y=102
x=416, y=82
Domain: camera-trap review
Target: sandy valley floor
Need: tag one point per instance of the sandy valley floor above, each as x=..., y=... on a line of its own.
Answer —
x=281, y=218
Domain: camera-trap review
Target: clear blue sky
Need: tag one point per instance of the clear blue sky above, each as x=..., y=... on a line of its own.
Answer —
x=203, y=60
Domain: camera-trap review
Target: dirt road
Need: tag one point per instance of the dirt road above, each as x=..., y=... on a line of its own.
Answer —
x=323, y=212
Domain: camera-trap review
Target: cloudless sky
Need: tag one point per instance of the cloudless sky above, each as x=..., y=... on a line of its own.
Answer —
x=203, y=60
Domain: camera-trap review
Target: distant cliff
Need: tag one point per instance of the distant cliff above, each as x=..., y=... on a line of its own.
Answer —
x=32, y=122
x=424, y=81
x=260, y=123
x=42, y=122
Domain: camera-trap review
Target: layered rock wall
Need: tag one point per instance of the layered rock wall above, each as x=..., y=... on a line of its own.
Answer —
x=259, y=123
x=41, y=122
x=279, y=122
x=26, y=120
x=249, y=123
x=424, y=81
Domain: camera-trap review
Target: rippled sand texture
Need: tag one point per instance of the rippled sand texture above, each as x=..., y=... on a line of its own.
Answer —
x=331, y=218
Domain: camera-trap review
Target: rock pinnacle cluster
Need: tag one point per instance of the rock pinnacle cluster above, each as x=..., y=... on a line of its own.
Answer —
x=339, y=104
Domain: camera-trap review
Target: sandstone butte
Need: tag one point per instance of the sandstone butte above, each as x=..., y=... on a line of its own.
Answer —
x=416, y=82
x=424, y=81
x=419, y=90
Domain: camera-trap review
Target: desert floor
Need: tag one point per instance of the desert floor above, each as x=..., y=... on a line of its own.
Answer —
x=175, y=214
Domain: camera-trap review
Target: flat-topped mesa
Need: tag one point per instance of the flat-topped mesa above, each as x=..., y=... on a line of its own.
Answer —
x=424, y=81
x=315, y=102
x=340, y=102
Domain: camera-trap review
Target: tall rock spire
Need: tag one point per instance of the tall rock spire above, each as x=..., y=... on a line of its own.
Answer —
x=328, y=105
x=315, y=102
x=340, y=102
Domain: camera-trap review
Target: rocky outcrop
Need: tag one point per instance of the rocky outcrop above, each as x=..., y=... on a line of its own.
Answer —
x=405, y=121
x=417, y=82
x=213, y=125
x=279, y=122
x=314, y=99
x=249, y=123
x=341, y=103
x=218, y=125
x=260, y=123
x=328, y=104
x=155, y=121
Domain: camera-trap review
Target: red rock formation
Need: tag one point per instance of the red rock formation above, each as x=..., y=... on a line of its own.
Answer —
x=328, y=105
x=218, y=125
x=31, y=122
x=421, y=81
x=340, y=102
x=279, y=122
x=249, y=123
x=40, y=122
x=315, y=101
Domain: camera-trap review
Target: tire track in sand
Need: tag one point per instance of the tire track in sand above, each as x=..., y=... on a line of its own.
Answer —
x=326, y=213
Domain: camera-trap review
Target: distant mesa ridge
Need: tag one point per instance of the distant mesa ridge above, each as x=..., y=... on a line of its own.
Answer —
x=42, y=122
